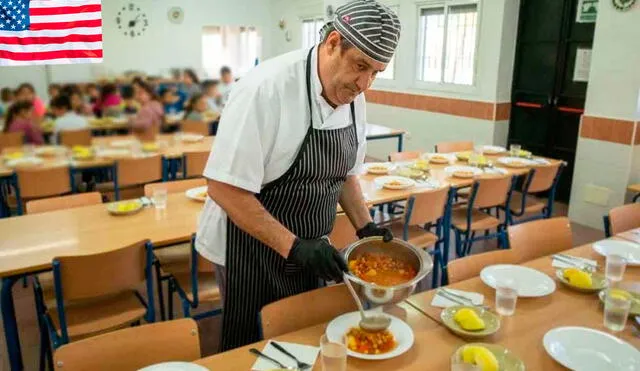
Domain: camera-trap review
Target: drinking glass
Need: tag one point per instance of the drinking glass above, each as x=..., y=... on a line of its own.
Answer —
x=506, y=298
x=615, y=267
x=514, y=149
x=474, y=157
x=616, y=311
x=159, y=198
x=334, y=354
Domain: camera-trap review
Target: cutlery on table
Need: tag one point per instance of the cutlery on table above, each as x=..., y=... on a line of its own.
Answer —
x=578, y=263
x=459, y=299
x=301, y=365
x=274, y=361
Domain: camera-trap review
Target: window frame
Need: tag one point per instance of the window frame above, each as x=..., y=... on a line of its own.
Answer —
x=308, y=18
x=442, y=86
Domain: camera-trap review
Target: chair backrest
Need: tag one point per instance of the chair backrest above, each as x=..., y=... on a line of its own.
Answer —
x=343, y=233
x=543, y=177
x=64, y=202
x=492, y=191
x=449, y=147
x=149, y=134
x=39, y=182
x=196, y=161
x=133, y=348
x=72, y=138
x=624, y=218
x=404, y=156
x=132, y=171
x=328, y=303
x=11, y=139
x=470, y=266
x=427, y=207
x=195, y=127
x=539, y=238
x=106, y=273
x=176, y=186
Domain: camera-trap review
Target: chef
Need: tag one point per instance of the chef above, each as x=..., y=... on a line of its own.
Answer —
x=289, y=145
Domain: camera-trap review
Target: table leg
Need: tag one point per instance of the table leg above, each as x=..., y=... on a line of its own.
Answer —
x=10, y=325
x=400, y=140
x=636, y=197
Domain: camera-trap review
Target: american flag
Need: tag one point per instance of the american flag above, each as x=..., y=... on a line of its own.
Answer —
x=50, y=32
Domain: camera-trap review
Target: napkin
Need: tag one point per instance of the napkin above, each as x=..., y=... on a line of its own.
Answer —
x=304, y=353
x=557, y=263
x=442, y=302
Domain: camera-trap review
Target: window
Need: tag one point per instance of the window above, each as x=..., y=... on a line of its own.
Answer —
x=447, y=44
x=388, y=73
x=311, y=31
x=233, y=46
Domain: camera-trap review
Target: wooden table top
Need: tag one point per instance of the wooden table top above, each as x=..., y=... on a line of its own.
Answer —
x=30, y=242
x=431, y=351
x=374, y=131
x=522, y=333
x=169, y=148
x=634, y=188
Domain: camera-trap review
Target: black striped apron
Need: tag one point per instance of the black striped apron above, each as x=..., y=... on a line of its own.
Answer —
x=304, y=200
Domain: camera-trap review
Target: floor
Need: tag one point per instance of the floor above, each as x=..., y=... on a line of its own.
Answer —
x=209, y=328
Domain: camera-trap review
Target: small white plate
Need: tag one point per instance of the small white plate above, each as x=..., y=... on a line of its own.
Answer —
x=528, y=282
x=191, y=138
x=378, y=168
x=174, y=366
x=24, y=161
x=628, y=250
x=122, y=143
x=585, y=349
x=439, y=158
x=113, y=153
x=451, y=170
x=516, y=162
x=493, y=150
x=383, y=182
x=495, y=171
x=403, y=334
x=196, y=193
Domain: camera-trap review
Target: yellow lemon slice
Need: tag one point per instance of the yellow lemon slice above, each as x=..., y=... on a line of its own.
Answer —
x=619, y=294
x=578, y=278
x=14, y=155
x=481, y=357
x=469, y=320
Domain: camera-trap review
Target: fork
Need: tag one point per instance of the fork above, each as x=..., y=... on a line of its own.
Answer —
x=458, y=299
x=301, y=365
x=274, y=361
x=568, y=259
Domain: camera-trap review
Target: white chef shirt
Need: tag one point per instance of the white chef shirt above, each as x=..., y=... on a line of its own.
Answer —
x=69, y=121
x=261, y=130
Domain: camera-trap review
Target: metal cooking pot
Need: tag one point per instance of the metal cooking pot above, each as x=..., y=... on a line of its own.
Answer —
x=399, y=249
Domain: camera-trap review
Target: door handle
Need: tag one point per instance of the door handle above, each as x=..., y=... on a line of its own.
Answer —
x=570, y=109
x=528, y=105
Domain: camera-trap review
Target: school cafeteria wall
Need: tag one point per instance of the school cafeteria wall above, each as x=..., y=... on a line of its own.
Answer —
x=608, y=153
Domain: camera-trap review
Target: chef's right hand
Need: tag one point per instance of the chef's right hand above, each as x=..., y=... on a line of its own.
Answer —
x=318, y=256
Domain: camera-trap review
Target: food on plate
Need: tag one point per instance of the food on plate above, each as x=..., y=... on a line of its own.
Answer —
x=420, y=165
x=82, y=152
x=438, y=159
x=410, y=173
x=469, y=320
x=463, y=174
x=14, y=155
x=481, y=357
x=395, y=183
x=463, y=156
x=381, y=269
x=202, y=194
x=378, y=169
x=127, y=206
x=150, y=147
x=524, y=153
x=365, y=342
x=578, y=278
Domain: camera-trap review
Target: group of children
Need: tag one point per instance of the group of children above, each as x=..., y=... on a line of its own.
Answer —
x=146, y=101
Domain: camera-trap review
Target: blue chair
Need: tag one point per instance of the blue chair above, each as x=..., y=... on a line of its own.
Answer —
x=540, y=179
x=427, y=211
x=486, y=194
x=95, y=294
x=195, y=286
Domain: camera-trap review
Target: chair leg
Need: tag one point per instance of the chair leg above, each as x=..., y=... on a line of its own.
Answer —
x=468, y=243
x=186, y=309
x=437, y=261
x=459, y=251
x=160, y=291
x=170, y=299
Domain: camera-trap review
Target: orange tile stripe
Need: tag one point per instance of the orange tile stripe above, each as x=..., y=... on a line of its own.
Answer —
x=636, y=140
x=608, y=130
x=450, y=106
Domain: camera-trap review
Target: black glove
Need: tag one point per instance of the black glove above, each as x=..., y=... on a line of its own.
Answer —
x=371, y=230
x=319, y=257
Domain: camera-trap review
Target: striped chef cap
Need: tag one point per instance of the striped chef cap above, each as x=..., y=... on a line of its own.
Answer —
x=371, y=27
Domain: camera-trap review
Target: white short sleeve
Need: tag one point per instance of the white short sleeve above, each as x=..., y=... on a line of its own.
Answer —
x=246, y=134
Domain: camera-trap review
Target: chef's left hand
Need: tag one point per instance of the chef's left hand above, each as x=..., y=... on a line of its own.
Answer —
x=372, y=230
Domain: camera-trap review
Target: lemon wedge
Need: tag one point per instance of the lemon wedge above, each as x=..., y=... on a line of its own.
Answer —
x=481, y=357
x=578, y=278
x=150, y=147
x=619, y=294
x=14, y=155
x=126, y=206
x=469, y=320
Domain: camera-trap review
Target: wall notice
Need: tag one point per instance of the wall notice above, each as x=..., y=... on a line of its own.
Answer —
x=583, y=64
x=587, y=11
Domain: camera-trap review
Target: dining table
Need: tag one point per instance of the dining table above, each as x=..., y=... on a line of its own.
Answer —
x=379, y=132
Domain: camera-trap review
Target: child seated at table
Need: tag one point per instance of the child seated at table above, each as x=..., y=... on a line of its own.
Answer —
x=212, y=94
x=20, y=119
x=172, y=100
x=77, y=101
x=66, y=118
x=26, y=92
x=147, y=122
x=6, y=98
x=196, y=108
x=129, y=105
x=53, y=91
x=109, y=104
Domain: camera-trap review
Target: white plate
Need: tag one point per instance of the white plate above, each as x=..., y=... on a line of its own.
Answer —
x=386, y=165
x=509, y=161
x=446, y=156
x=527, y=281
x=382, y=181
x=191, y=138
x=495, y=171
x=24, y=161
x=122, y=143
x=628, y=250
x=585, y=349
x=49, y=150
x=194, y=193
x=174, y=366
x=449, y=170
x=492, y=150
x=403, y=334
x=113, y=153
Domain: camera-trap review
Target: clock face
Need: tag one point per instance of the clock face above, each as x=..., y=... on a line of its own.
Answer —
x=131, y=20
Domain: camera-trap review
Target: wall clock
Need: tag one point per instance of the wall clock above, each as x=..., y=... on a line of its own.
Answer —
x=623, y=4
x=131, y=20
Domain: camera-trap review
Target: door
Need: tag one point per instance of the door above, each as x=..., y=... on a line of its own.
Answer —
x=546, y=102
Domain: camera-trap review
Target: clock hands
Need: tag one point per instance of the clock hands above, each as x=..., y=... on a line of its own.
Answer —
x=133, y=22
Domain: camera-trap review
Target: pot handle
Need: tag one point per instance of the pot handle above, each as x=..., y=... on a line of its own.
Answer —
x=427, y=259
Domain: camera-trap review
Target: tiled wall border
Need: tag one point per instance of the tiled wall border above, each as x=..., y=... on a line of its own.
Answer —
x=610, y=130
x=457, y=107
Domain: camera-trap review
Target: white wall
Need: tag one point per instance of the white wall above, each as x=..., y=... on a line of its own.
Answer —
x=163, y=46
